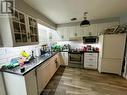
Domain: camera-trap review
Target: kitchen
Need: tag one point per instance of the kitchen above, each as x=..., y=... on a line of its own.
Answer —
x=44, y=49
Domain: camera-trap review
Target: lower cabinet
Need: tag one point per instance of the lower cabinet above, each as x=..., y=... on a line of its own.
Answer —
x=46, y=71
x=21, y=85
x=53, y=67
x=91, y=60
x=31, y=84
x=43, y=76
x=34, y=82
x=64, y=58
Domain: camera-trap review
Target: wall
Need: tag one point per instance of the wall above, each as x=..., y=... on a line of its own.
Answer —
x=76, y=44
x=7, y=53
x=0, y=41
x=2, y=88
x=24, y=7
x=123, y=20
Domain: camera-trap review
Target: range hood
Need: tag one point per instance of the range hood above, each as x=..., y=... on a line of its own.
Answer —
x=75, y=39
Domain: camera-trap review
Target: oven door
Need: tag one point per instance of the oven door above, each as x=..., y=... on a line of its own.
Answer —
x=75, y=58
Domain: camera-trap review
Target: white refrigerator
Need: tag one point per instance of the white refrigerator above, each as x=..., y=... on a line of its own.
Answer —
x=111, y=54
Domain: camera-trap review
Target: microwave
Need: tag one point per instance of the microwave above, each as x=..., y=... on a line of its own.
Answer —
x=90, y=39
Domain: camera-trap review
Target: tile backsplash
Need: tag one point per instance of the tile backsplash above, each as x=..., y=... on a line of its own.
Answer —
x=78, y=44
x=7, y=53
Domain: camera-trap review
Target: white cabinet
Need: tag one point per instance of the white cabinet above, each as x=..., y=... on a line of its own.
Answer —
x=18, y=29
x=76, y=31
x=55, y=37
x=21, y=85
x=43, y=34
x=90, y=60
x=64, y=58
x=63, y=33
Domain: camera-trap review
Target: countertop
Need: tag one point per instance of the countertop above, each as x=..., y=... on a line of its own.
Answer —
x=32, y=65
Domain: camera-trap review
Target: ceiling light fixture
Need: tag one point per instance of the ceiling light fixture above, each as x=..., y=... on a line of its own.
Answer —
x=85, y=22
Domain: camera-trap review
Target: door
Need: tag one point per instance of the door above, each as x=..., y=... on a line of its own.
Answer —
x=18, y=23
x=111, y=66
x=64, y=58
x=43, y=76
x=53, y=66
x=33, y=30
x=31, y=83
x=114, y=46
x=43, y=34
x=75, y=58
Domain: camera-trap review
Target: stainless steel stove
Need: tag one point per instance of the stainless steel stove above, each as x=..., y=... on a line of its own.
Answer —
x=75, y=59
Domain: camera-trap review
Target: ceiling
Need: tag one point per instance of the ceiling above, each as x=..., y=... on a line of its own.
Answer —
x=61, y=11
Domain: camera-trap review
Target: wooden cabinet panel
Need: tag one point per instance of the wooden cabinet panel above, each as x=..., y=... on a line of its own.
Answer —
x=31, y=83
x=52, y=67
x=43, y=76
x=33, y=31
x=64, y=58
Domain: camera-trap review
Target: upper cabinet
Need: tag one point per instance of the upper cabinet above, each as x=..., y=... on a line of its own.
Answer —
x=76, y=31
x=33, y=34
x=18, y=29
x=18, y=22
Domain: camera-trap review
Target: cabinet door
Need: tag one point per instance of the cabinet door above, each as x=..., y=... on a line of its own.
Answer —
x=33, y=30
x=114, y=46
x=79, y=31
x=43, y=76
x=71, y=31
x=52, y=67
x=19, y=27
x=111, y=66
x=60, y=33
x=64, y=58
x=31, y=84
x=43, y=34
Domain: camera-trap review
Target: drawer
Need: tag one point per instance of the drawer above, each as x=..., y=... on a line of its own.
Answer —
x=91, y=54
x=91, y=66
x=90, y=58
x=90, y=61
